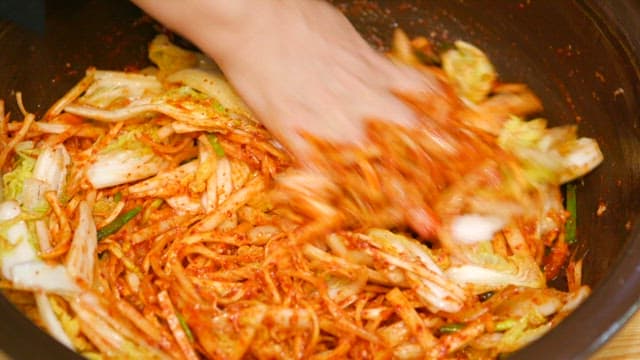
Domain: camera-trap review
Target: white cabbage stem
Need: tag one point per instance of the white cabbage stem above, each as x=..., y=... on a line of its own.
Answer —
x=9, y=209
x=473, y=228
x=82, y=253
x=121, y=167
x=50, y=320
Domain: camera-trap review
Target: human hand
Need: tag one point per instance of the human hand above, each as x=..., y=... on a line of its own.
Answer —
x=299, y=65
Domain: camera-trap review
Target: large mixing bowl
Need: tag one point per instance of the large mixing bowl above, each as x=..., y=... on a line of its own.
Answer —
x=581, y=57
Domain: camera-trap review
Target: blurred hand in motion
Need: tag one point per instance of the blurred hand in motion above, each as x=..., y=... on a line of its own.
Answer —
x=299, y=65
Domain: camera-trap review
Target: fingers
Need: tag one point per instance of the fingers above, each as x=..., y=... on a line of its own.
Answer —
x=423, y=221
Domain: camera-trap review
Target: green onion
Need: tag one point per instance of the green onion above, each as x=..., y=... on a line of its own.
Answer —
x=505, y=325
x=185, y=326
x=216, y=145
x=118, y=223
x=219, y=108
x=117, y=197
x=155, y=204
x=451, y=328
x=570, y=225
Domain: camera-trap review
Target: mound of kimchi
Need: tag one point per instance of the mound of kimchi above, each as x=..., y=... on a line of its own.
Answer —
x=149, y=215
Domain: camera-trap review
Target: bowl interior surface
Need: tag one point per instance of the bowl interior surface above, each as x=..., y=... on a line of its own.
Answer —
x=581, y=63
